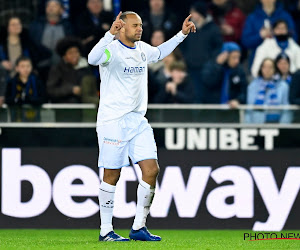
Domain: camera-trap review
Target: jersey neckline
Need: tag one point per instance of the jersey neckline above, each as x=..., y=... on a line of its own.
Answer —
x=127, y=46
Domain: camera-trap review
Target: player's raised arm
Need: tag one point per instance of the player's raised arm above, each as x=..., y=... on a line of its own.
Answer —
x=188, y=26
x=117, y=25
x=100, y=54
x=167, y=47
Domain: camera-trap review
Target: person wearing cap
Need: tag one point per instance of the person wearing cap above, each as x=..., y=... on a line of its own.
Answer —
x=272, y=47
x=224, y=80
x=46, y=31
x=71, y=80
x=201, y=46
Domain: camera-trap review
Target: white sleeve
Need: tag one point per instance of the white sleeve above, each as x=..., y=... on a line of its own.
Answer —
x=259, y=56
x=158, y=53
x=100, y=53
x=167, y=47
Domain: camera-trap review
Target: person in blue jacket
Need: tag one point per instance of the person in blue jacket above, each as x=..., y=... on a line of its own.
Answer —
x=24, y=88
x=223, y=80
x=258, y=24
x=266, y=90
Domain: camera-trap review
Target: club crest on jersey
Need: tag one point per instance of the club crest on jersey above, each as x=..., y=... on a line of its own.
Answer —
x=143, y=56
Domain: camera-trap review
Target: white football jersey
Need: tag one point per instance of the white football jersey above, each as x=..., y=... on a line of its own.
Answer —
x=124, y=80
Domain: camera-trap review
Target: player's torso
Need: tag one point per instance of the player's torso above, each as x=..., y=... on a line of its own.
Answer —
x=127, y=70
x=124, y=80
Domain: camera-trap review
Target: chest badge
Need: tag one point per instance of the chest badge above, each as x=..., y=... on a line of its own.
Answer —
x=143, y=56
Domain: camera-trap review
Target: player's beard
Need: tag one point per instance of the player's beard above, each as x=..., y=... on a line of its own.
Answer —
x=136, y=38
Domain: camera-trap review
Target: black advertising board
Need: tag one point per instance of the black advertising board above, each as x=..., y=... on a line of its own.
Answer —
x=47, y=187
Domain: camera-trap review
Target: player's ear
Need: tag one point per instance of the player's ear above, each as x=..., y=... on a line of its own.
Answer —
x=122, y=30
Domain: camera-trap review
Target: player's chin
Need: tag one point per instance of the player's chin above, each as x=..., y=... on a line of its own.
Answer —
x=138, y=37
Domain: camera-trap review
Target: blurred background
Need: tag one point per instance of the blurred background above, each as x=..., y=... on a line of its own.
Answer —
x=225, y=102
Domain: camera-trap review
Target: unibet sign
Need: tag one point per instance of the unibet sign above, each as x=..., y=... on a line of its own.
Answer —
x=187, y=196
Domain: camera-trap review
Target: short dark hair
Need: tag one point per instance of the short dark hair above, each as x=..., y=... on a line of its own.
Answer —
x=179, y=65
x=279, y=21
x=124, y=14
x=261, y=65
x=66, y=43
x=22, y=59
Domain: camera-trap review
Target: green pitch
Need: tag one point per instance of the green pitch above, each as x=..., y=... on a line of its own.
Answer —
x=171, y=239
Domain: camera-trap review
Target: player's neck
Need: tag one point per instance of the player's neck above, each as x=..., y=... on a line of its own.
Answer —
x=126, y=42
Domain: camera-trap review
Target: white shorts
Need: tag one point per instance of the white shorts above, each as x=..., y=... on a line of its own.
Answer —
x=132, y=136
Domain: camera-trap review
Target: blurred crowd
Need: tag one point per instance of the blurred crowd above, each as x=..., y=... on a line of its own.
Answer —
x=244, y=52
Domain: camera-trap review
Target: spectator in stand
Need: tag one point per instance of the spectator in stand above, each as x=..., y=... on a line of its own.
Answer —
x=26, y=9
x=46, y=31
x=71, y=80
x=25, y=87
x=224, y=80
x=159, y=77
x=280, y=42
x=293, y=7
x=282, y=63
x=92, y=24
x=295, y=89
x=15, y=42
x=179, y=89
x=258, y=24
x=267, y=90
x=3, y=80
x=158, y=17
x=229, y=18
x=157, y=38
x=164, y=73
x=202, y=46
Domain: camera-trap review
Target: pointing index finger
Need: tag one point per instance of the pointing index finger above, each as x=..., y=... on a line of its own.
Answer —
x=188, y=18
x=118, y=16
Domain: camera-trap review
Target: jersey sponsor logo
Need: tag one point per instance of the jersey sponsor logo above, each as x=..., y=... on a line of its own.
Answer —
x=143, y=56
x=134, y=70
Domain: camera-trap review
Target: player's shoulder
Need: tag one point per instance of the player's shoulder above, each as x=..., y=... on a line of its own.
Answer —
x=143, y=45
x=113, y=44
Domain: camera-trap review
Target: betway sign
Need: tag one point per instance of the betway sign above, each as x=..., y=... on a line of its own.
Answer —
x=187, y=194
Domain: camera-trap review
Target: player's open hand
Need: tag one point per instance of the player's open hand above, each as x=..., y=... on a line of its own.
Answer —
x=117, y=25
x=188, y=26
